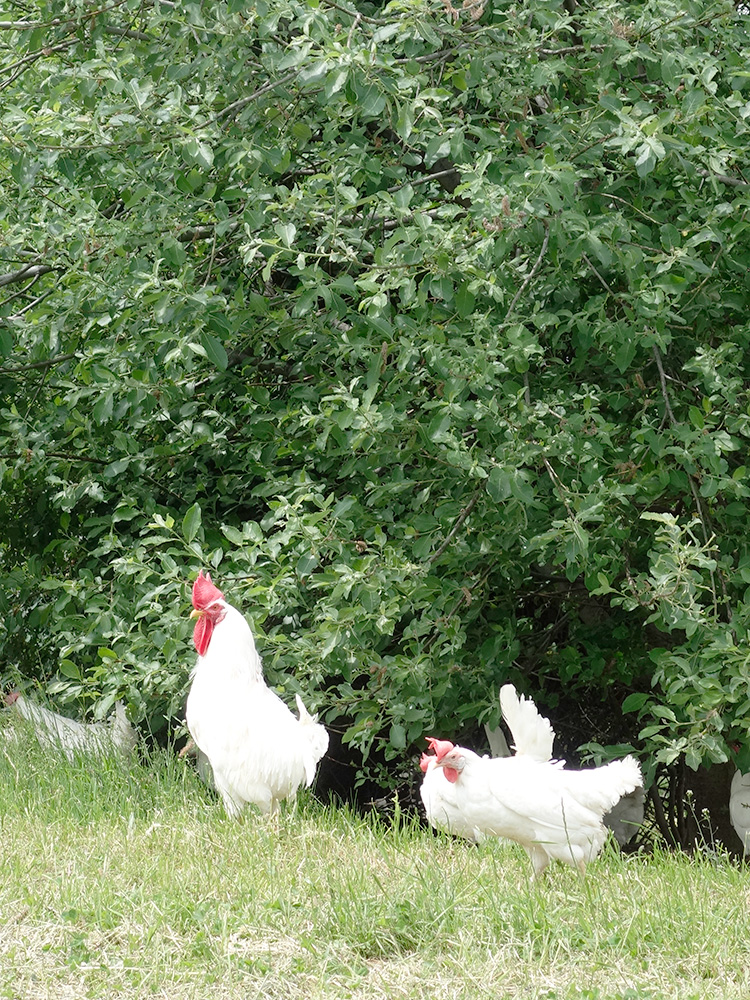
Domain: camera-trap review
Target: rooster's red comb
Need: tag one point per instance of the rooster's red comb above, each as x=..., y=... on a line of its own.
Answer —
x=204, y=592
x=440, y=747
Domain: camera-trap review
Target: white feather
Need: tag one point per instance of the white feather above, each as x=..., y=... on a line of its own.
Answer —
x=554, y=813
x=739, y=808
x=533, y=735
x=440, y=806
x=258, y=751
x=74, y=738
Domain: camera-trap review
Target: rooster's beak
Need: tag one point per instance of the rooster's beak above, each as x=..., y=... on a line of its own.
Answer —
x=195, y=613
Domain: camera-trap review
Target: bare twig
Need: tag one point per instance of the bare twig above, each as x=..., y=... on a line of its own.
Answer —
x=661, y=820
x=534, y=269
x=561, y=489
x=353, y=13
x=9, y=456
x=210, y=262
x=140, y=36
x=355, y=24
x=233, y=109
x=60, y=359
x=30, y=271
x=570, y=49
x=33, y=56
x=604, y=283
x=723, y=179
x=423, y=180
x=457, y=526
x=663, y=378
x=32, y=304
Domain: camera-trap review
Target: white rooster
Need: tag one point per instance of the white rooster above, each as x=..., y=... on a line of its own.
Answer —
x=258, y=751
x=553, y=812
x=532, y=735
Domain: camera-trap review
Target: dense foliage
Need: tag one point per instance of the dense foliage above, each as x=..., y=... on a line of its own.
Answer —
x=425, y=330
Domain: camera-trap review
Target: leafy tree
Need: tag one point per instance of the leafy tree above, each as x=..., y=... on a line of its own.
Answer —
x=425, y=329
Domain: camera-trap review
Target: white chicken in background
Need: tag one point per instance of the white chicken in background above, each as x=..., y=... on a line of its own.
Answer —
x=439, y=796
x=624, y=819
x=553, y=812
x=76, y=738
x=258, y=751
x=739, y=808
x=533, y=736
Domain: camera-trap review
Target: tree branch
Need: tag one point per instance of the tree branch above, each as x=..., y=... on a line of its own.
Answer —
x=534, y=269
x=707, y=534
x=232, y=109
x=55, y=454
x=30, y=271
x=601, y=279
x=60, y=359
x=723, y=179
x=456, y=527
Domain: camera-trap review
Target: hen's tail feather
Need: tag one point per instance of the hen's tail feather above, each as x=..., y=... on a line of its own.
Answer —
x=601, y=788
x=533, y=735
x=317, y=737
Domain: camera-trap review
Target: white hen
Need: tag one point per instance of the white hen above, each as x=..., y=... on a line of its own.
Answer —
x=439, y=796
x=532, y=735
x=76, y=738
x=553, y=812
x=739, y=808
x=258, y=751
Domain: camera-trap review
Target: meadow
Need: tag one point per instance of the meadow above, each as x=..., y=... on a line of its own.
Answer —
x=127, y=880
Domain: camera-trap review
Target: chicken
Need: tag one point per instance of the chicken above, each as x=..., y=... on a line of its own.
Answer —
x=258, y=751
x=739, y=808
x=76, y=738
x=439, y=797
x=553, y=812
x=532, y=734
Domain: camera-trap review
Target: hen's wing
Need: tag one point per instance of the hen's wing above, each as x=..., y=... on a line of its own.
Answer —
x=533, y=735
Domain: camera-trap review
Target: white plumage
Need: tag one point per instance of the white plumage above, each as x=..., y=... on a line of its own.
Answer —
x=532, y=735
x=553, y=812
x=440, y=800
x=739, y=808
x=259, y=752
x=76, y=738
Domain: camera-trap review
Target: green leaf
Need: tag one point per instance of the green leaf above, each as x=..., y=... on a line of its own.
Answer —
x=69, y=669
x=286, y=231
x=233, y=535
x=215, y=351
x=191, y=522
x=397, y=736
x=635, y=701
x=103, y=408
x=499, y=484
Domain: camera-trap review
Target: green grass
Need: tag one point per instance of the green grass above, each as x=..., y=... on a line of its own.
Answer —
x=130, y=882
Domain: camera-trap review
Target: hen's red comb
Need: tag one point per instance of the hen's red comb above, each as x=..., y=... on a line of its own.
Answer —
x=440, y=747
x=204, y=592
x=424, y=762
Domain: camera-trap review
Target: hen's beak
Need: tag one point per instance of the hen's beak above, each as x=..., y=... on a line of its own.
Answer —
x=195, y=613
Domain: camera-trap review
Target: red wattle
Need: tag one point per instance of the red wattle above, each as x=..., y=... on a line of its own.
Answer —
x=204, y=626
x=451, y=774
